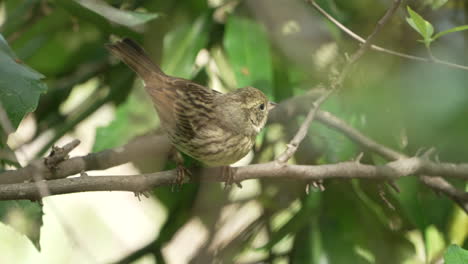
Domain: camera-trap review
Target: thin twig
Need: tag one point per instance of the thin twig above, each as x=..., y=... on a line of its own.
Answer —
x=59, y=154
x=302, y=132
x=381, y=49
x=335, y=84
x=380, y=24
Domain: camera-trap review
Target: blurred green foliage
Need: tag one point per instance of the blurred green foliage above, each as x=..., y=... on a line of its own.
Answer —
x=456, y=255
x=249, y=55
x=284, y=48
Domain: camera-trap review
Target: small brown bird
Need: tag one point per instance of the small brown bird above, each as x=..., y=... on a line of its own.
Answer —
x=214, y=128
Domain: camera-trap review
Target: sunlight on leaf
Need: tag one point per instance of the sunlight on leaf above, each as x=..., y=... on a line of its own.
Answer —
x=435, y=243
x=134, y=117
x=422, y=26
x=456, y=255
x=435, y=4
x=365, y=253
x=182, y=45
x=416, y=238
x=16, y=247
x=458, y=229
x=126, y=18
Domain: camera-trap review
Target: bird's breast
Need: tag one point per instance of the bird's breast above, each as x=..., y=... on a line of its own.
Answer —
x=216, y=146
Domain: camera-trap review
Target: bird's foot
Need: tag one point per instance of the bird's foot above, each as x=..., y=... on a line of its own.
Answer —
x=180, y=169
x=180, y=177
x=317, y=184
x=228, y=173
x=146, y=194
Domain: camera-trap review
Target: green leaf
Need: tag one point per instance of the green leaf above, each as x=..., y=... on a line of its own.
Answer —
x=16, y=17
x=435, y=243
x=458, y=228
x=125, y=18
x=16, y=247
x=307, y=246
x=445, y=32
x=7, y=155
x=364, y=253
x=456, y=255
x=338, y=146
x=421, y=206
x=106, y=26
x=20, y=86
x=182, y=45
x=27, y=220
x=248, y=50
x=298, y=221
x=436, y=4
x=411, y=202
x=304, y=246
x=422, y=26
x=132, y=118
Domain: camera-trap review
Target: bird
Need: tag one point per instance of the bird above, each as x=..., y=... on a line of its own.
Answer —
x=217, y=129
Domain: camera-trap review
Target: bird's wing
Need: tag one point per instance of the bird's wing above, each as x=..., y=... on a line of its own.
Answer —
x=194, y=112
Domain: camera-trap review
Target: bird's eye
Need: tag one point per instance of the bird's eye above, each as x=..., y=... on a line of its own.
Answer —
x=262, y=107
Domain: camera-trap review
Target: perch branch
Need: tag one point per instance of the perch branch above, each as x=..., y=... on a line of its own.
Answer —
x=140, y=148
x=271, y=170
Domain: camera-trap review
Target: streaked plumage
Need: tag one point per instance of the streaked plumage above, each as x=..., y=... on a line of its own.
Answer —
x=216, y=129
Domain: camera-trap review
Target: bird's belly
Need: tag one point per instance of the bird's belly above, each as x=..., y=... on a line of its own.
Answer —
x=216, y=148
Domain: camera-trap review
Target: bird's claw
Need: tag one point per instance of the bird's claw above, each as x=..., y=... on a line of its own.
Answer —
x=228, y=173
x=142, y=193
x=180, y=177
x=317, y=184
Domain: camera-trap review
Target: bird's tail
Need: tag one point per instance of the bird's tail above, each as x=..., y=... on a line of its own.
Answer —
x=136, y=58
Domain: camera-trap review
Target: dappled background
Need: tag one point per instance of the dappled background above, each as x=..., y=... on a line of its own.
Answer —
x=286, y=49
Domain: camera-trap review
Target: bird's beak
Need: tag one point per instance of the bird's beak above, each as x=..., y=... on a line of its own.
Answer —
x=271, y=105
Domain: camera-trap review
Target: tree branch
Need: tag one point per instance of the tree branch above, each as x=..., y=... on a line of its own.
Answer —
x=271, y=170
x=140, y=148
x=436, y=183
